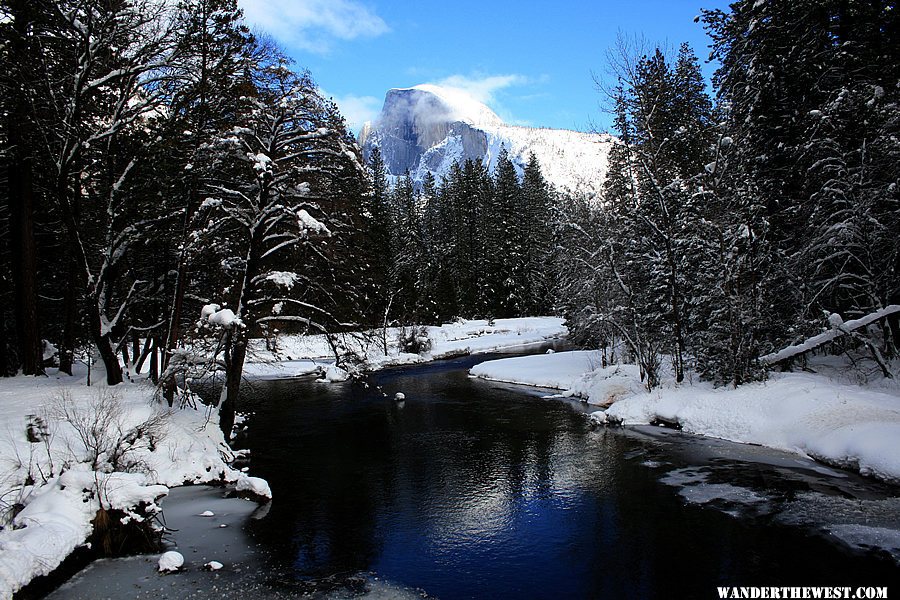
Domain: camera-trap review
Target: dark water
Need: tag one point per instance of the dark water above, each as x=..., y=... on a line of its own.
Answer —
x=475, y=490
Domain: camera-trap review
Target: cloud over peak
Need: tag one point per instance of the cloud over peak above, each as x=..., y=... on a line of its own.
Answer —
x=483, y=88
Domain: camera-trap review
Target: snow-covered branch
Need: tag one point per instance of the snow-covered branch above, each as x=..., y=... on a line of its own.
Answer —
x=839, y=328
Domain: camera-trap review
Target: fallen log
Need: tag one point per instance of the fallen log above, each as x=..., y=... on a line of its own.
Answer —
x=839, y=328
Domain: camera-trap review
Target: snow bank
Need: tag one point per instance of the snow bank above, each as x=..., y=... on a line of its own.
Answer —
x=57, y=519
x=478, y=336
x=577, y=373
x=841, y=424
x=558, y=370
x=255, y=486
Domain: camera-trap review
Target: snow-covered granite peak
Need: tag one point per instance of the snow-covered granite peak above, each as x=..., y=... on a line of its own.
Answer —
x=426, y=128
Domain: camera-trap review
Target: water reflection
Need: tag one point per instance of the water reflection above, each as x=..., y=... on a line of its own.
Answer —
x=472, y=490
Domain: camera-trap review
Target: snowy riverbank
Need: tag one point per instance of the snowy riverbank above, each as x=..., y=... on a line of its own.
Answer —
x=821, y=415
x=68, y=450
x=297, y=355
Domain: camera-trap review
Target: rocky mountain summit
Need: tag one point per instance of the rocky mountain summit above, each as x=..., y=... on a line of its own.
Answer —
x=427, y=128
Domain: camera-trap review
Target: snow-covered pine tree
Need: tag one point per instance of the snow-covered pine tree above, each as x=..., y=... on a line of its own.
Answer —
x=379, y=227
x=804, y=117
x=593, y=296
x=434, y=236
x=847, y=259
x=407, y=251
x=662, y=116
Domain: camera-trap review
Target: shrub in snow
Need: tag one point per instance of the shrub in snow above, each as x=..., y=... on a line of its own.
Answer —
x=109, y=442
x=125, y=530
x=353, y=363
x=170, y=561
x=414, y=340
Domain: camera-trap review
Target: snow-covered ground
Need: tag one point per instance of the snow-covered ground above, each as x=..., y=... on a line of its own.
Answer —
x=821, y=415
x=297, y=355
x=67, y=450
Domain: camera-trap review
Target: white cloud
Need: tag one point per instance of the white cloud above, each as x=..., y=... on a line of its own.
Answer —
x=488, y=89
x=483, y=88
x=358, y=109
x=313, y=25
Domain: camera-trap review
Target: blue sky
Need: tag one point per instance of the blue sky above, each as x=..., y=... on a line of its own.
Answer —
x=531, y=61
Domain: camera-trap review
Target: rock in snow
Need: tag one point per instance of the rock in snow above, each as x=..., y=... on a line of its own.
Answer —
x=170, y=561
x=253, y=486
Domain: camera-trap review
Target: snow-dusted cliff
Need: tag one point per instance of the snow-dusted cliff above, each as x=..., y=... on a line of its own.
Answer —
x=427, y=128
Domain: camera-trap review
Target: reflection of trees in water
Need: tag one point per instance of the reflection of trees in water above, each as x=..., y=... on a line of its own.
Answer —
x=343, y=469
x=321, y=455
x=474, y=485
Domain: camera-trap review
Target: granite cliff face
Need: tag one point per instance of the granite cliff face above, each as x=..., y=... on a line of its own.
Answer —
x=427, y=128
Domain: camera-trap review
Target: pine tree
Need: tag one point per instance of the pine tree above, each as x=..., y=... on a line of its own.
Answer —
x=504, y=276
x=18, y=89
x=407, y=250
x=804, y=112
x=537, y=235
x=380, y=220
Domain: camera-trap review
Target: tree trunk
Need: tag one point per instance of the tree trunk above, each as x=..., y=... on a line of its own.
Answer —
x=237, y=335
x=143, y=354
x=135, y=347
x=893, y=321
x=126, y=356
x=70, y=302
x=173, y=335
x=24, y=256
x=110, y=360
x=4, y=346
x=154, y=363
x=105, y=348
x=23, y=251
x=174, y=332
x=234, y=368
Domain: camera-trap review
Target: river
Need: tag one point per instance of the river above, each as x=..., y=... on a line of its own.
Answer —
x=469, y=489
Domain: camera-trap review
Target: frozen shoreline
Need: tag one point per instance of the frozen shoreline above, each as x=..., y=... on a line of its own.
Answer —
x=70, y=450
